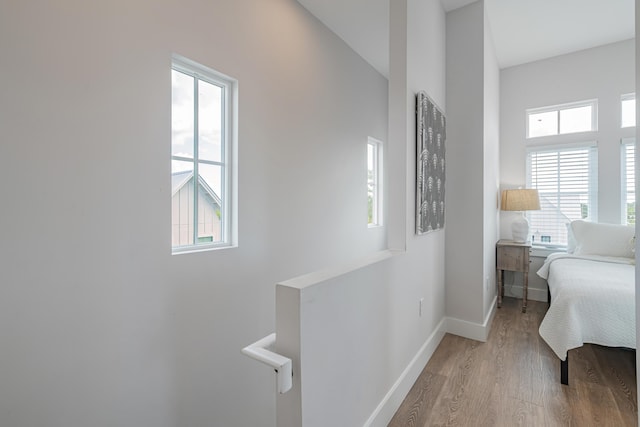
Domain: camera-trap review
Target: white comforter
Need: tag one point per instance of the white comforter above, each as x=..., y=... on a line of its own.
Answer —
x=592, y=301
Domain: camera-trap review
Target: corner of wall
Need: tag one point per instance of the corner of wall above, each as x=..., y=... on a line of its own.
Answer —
x=474, y=331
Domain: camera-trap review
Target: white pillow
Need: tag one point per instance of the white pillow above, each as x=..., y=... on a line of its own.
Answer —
x=571, y=239
x=592, y=238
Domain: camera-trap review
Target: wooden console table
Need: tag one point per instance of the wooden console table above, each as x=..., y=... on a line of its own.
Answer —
x=512, y=256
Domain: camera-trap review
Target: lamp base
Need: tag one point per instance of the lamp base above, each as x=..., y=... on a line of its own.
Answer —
x=520, y=229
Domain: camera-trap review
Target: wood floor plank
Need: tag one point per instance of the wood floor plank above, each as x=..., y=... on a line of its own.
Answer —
x=446, y=356
x=526, y=373
x=596, y=405
x=584, y=366
x=484, y=406
x=514, y=380
x=515, y=412
x=424, y=393
x=557, y=398
x=454, y=393
x=620, y=379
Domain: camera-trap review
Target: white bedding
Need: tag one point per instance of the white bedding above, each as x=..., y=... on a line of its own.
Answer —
x=592, y=301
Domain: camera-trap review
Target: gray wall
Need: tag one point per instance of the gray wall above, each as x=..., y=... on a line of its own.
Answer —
x=637, y=152
x=100, y=324
x=417, y=47
x=491, y=172
x=472, y=165
x=465, y=151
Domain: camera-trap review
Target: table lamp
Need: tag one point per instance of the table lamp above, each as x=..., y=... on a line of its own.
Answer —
x=520, y=200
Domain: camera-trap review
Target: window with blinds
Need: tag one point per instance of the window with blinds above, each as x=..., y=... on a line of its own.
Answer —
x=628, y=181
x=566, y=178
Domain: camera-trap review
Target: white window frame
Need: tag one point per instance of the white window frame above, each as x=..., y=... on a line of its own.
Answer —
x=593, y=103
x=592, y=146
x=375, y=181
x=228, y=162
x=627, y=152
x=626, y=97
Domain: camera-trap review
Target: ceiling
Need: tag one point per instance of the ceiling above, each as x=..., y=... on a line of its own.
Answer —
x=523, y=30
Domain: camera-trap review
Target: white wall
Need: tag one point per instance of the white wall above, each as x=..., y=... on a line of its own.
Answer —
x=100, y=325
x=338, y=380
x=465, y=147
x=604, y=73
x=472, y=169
x=347, y=382
x=491, y=172
x=637, y=153
x=419, y=271
x=394, y=340
x=417, y=28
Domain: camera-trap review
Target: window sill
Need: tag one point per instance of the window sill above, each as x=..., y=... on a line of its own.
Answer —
x=202, y=248
x=542, y=251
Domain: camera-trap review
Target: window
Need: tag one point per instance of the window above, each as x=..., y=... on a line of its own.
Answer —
x=628, y=181
x=374, y=182
x=566, y=179
x=562, y=119
x=202, y=135
x=628, y=109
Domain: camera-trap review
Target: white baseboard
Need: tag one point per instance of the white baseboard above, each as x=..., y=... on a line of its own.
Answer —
x=394, y=397
x=474, y=331
x=533, y=294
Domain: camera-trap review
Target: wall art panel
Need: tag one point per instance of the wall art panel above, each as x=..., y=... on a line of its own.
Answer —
x=431, y=165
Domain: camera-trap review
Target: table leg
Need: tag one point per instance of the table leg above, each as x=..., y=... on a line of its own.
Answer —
x=500, y=290
x=525, y=290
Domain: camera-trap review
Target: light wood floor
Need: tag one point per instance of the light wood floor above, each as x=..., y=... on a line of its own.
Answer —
x=514, y=380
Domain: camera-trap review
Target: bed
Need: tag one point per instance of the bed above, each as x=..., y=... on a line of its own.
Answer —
x=592, y=291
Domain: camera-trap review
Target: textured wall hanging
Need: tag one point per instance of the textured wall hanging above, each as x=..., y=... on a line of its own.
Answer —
x=430, y=160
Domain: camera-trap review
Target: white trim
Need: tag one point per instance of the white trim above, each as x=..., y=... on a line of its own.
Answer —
x=386, y=409
x=378, y=180
x=564, y=106
x=474, y=331
x=533, y=294
x=539, y=251
x=228, y=161
x=312, y=279
x=593, y=103
x=543, y=147
x=626, y=97
x=188, y=66
x=624, y=143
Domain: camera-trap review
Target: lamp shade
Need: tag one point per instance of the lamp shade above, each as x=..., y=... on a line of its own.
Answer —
x=520, y=200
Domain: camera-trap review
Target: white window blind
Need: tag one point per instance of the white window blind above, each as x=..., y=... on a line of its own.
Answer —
x=628, y=181
x=566, y=178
